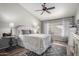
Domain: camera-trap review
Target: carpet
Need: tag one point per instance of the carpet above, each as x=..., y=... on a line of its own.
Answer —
x=54, y=50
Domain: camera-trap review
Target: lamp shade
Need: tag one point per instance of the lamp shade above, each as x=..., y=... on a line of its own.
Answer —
x=11, y=24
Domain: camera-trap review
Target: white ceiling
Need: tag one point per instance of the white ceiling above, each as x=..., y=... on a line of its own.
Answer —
x=17, y=12
x=61, y=10
x=12, y=12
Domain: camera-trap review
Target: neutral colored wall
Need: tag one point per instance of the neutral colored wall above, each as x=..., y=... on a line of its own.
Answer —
x=24, y=18
x=7, y=30
x=16, y=14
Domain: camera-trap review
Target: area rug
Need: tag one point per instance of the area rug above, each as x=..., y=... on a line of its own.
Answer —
x=54, y=50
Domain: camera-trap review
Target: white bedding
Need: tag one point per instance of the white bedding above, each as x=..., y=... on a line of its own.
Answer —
x=37, y=43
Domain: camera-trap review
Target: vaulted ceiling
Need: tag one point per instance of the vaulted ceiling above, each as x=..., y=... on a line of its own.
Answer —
x=14, y=12
x=61, y=10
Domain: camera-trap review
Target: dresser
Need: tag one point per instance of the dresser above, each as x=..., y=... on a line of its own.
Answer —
x=73, y=45
x=76, y=44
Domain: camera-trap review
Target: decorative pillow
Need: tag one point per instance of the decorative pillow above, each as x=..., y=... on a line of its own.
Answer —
x=26, y=32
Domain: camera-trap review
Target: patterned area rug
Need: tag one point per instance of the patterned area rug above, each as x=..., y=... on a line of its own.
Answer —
x=54, y=50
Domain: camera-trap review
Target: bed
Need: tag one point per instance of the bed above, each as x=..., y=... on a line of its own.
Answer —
x=37, y=43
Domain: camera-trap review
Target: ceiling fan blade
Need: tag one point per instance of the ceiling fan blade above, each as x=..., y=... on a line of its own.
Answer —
x=43, y=5
x=48, y=12
x=42, y=12
x=50, y=8
x=38, y=10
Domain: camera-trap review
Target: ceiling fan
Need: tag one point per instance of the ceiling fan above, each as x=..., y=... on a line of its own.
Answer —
x=46, y=9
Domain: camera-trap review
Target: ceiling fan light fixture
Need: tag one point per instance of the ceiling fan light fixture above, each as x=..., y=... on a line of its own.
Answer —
x=46, y=9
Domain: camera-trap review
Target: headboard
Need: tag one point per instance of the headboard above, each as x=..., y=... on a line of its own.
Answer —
x=23, y=29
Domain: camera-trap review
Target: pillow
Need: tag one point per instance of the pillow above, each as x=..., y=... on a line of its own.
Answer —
x=26, y=31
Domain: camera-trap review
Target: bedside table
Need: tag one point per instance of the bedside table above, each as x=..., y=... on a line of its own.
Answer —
x=12, y=42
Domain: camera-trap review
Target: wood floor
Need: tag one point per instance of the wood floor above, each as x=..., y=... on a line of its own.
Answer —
x=19, y=51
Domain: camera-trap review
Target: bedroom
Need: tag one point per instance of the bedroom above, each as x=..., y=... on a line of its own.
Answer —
x=45, y=34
